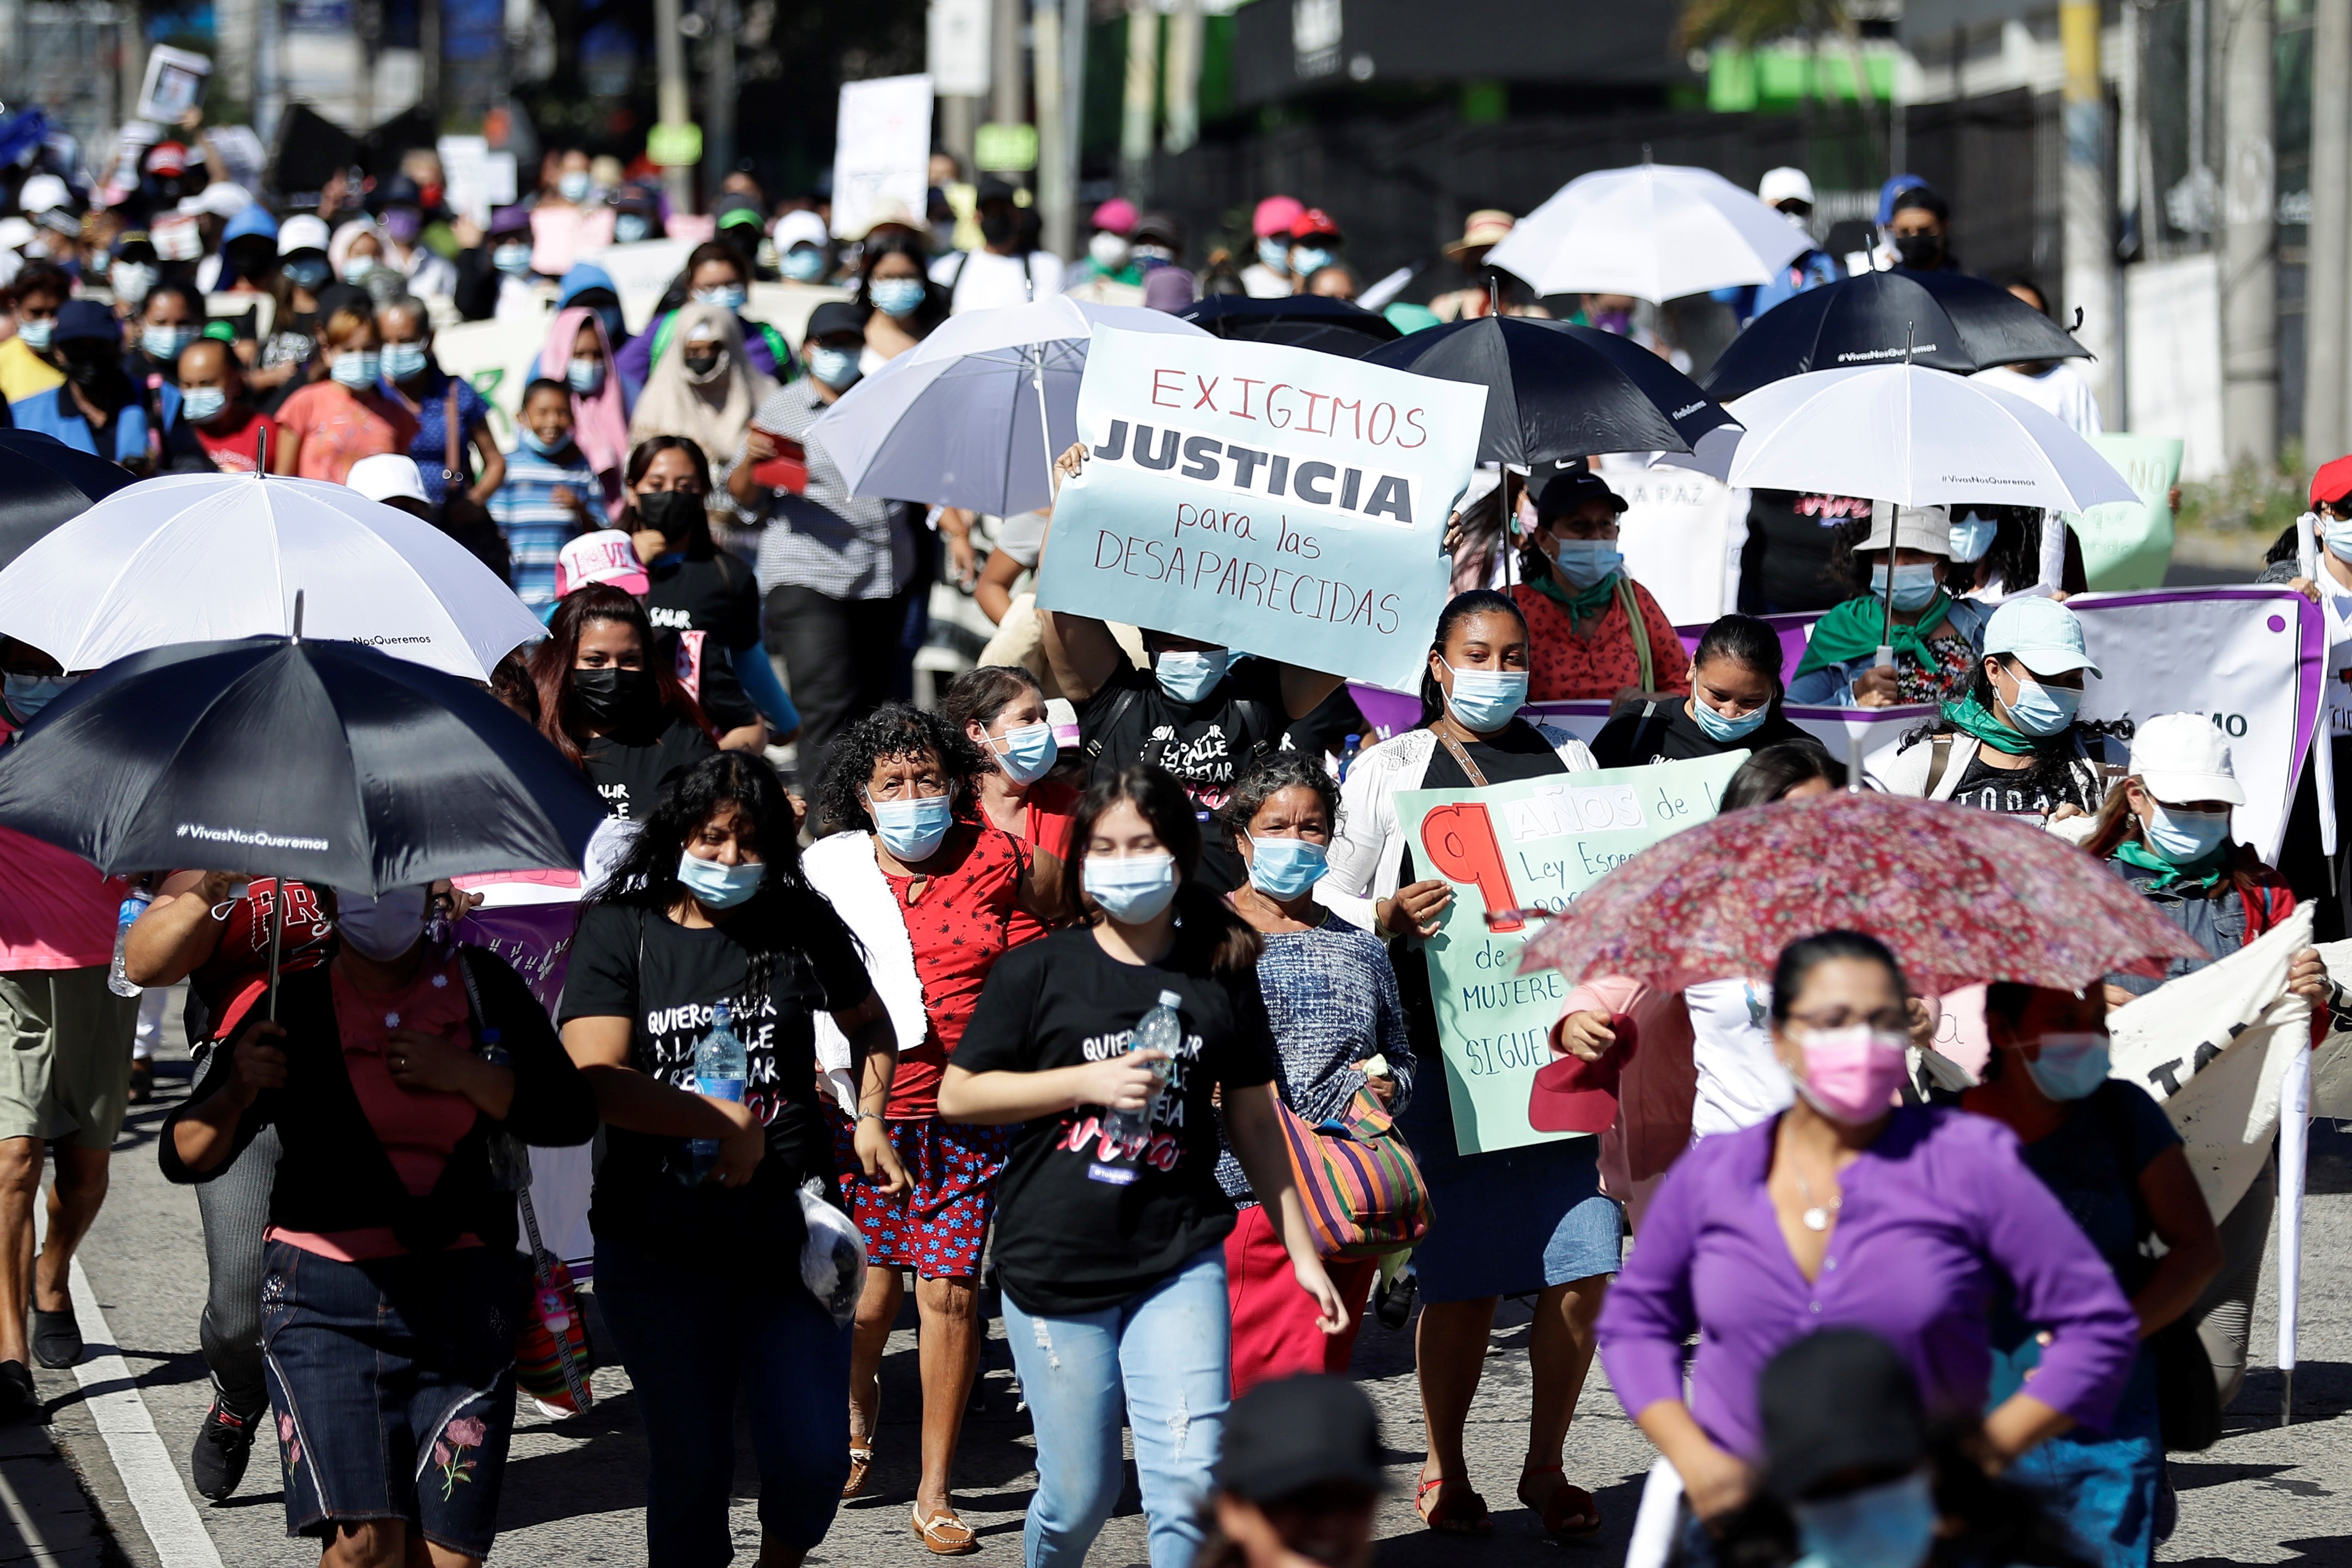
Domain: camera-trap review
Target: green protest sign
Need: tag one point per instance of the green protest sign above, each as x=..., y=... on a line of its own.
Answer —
x=1537, y=844
x=2128, y=544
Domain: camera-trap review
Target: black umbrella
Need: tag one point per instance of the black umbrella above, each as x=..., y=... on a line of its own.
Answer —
x=1947, y=319
x=1240, y=316
x=45, y=483
x=1556, y=391
x=1323, y=337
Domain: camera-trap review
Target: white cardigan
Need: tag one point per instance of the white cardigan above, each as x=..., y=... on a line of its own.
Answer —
x=1369, y=849
x=842, y=867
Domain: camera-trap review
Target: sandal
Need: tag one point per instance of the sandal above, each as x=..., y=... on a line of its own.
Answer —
x=1458, y=1510
x=943, y=1534
x=861, y=1462
x=1568, y=1513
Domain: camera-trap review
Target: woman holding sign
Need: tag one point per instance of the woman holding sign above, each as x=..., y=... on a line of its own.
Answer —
x=1555, y=1235
x=1936, y=637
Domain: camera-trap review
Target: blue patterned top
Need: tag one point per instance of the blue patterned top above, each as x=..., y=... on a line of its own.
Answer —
x=1332, y=999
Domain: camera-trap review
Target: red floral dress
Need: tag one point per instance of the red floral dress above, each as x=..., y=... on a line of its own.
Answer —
x=1598, y=660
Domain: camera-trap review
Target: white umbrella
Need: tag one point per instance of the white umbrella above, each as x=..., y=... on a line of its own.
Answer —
x=1905, y=434
x=1658, y=231
x=955, y=419
x=208, y=557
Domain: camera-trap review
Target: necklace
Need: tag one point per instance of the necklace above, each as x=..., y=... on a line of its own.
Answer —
x=1815, y=1217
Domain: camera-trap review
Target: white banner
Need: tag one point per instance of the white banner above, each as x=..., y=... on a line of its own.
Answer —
x=882, y=150
x=1682, y=533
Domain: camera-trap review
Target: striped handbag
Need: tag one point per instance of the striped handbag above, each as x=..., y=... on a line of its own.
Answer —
x=1363, y=1194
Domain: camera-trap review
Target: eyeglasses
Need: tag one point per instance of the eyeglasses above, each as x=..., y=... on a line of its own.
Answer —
x=1887, y=1020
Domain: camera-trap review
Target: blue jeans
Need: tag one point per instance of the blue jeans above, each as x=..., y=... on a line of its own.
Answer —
x=2105, y=1484
x=1168, y=1349
x=698, y=1341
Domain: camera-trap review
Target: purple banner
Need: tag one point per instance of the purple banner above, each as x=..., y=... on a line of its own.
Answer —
x=534, y=939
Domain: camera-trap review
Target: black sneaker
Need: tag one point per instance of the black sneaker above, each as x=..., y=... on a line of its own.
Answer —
x=56, y=1338
x=1392, y=1302
x=19, y=1399
x=223, y=1444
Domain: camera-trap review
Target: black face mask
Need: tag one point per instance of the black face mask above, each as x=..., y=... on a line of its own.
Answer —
x=1921, y=252
x=701, y=364
x=996, y=227
x=671, y=511
x=612, y=698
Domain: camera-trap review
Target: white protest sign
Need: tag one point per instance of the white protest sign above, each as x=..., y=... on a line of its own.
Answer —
x=1274, y=500
x=475, y=179
x=1681, y=534
x=882, y=150
x=641, y=271
x=174, y=84
x=497, y=359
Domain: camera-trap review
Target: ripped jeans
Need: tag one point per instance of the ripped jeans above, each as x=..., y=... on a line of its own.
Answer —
x=1169, y=1350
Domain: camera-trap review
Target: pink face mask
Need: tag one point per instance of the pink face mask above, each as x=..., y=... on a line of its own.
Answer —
x=1852, y=1074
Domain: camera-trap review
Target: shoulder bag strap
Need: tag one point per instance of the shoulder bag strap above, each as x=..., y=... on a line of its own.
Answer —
x=1469, y=768
x=1939, y=757
x=1637, y=753
x=1640, y=630
x=452, y=449
x=1117, y=712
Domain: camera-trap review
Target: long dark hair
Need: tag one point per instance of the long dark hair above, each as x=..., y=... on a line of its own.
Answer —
x=893, y=730
x=1459, y=608
x=1750, y=643
x=1205, y=924
x=2053, y=755
x=550, y=663
x=698, y=546
x=897, y=242
x=1770, y=773
x=681, y=288
x=1804, y=955
x=978, y=696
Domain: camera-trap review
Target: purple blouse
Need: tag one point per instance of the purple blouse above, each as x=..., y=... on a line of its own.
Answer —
x=1938, y=1215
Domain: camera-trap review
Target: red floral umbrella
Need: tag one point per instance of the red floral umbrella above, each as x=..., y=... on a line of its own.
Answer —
x=1959, y=895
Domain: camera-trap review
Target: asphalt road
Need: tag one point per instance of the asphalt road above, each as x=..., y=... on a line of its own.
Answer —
x=575, y=1489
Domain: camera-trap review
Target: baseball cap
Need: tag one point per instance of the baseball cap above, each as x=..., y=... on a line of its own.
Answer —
x=1159, y=228
x=222, y=198
x=1484, y=227
x=607, y=555
x=800, y=227
x=1785, y=184
x=1570, y=489
x=1839, y=1400
x=2043, y=634
x=41, y=192
x=167, y=158
x=1276, y=214
x=1293, y=1433
x=1312, y=223
x=15, y=233
x=387, y=476
x=2181, y=757
x=251, y=221
x=1116, y=214
x=735, y=209
x=86, y=321
x=1927, y=528
x=835, y=316
x=128, y=240
x=510, y=220
x=302, y=232
x=2332, y=482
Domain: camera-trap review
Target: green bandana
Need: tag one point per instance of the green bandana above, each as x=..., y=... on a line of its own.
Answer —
x=1972, y=717
x=1582, y=603
x=1853, y=630
x=2203, y=873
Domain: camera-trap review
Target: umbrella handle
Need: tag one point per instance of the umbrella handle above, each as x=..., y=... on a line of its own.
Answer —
x=276, y=941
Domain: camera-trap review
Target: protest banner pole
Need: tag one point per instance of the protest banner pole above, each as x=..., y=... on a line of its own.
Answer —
x=2294, y=1126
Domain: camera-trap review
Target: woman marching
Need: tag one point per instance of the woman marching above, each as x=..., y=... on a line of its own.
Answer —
x=1001, y=708
x=1110, y=1227
x=1558, y=1238
x=1937, y=639
x=611, y=706
x=1734, y=704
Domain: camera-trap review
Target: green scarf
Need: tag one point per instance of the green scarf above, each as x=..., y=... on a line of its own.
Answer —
x=1853, y=630
x=1969, y=715
x=1582, y=603
x=2203, y=873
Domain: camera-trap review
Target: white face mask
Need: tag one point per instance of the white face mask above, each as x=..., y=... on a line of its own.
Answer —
x=1109, y=251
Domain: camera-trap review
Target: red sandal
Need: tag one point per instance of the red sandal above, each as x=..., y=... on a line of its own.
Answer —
x=1458, y=1510
x=1563, y=1504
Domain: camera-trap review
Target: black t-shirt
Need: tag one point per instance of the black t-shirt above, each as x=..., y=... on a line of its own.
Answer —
x=1635, y=740
x=634, y=771
x=2032, y=792
x=664, y=978
x=1206, y=744
x=1079, y=1228
x=1789, y=562
x=1516, y=752
x=1325, y=728
x=717, y=595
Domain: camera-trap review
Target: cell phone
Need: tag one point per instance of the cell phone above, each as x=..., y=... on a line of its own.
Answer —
x=788, y=470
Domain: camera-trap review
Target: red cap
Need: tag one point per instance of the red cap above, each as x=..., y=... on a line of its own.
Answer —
x=1312, y=221
x=2332, y=482
x=167, y=158
x=1572, y=1095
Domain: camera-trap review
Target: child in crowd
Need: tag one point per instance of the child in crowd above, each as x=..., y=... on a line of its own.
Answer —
x=545, y=499
x=212, y=400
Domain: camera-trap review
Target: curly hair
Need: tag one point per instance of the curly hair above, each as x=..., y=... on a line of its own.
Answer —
x=1279, y=771
x=893, y=730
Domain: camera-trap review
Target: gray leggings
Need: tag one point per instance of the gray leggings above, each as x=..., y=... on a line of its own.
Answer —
x=236, y=1209
x=2224, y=1315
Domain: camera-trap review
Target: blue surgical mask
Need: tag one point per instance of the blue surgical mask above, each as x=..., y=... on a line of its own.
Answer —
x=726, y=296
x=1890, y=1526
x=26, y=695
x=514, y=260
x=166, y=343
x=310, y=273
x=630, y=227
x=573, y=187
x=1026, y=754
x=2043, y=710
x=355, y=367
x=1914, y=585
x=36, y=333
x=1285, y=867
x=717, y=885
x=585, y=376
x=1307, y=259
x=1723, y=730
x=911, y=829
x=803, y=264
x=2185, y=838
x=1130, y=889
x=2071, y=1065
x=402, y=361
x=837, y=368
x=529, y=440
x=356, y=270
x=199, y=404
x=1971, y=537
x=896, y=297
x=1482, y=700
x=1189, y=676
x=1584, y=562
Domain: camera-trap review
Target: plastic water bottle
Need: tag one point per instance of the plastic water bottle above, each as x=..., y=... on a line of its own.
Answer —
x=115, y=979
x=1348, y=755
x=1160, y=1030
x=719, y=1073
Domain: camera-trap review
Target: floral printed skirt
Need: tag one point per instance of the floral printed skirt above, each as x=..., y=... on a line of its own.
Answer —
x=939, y=1231
x=391, y=1387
